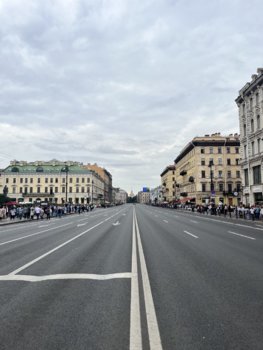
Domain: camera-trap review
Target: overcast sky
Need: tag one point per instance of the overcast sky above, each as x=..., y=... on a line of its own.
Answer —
x=123, y=83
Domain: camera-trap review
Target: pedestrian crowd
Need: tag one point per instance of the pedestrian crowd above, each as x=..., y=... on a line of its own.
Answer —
x=250, y=212
x=41, y=212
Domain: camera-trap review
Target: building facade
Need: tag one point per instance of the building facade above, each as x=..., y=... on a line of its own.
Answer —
x=250, y=106
x=143, y=197
x=168, y=183
x=52, y=182
x=120, y=197
x=208, y=170
x=107, y=179
x=156, y=195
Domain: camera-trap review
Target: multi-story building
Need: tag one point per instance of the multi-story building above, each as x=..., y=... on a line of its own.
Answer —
x=168, y=183
x=250, y=105
x=208, y=170
x=52, y=182
x=107, y=179
x=120, y=196
x=156, y=195
x=143, y=197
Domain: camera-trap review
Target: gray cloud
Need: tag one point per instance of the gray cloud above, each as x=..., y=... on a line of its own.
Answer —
x=124, y=84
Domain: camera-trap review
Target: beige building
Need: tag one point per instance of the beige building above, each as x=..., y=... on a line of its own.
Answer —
x=144, y=197
x=53, y=182
x=168, y=183
x=107, y=179
x=208, y=170
x=120, y=196
x=250, y=106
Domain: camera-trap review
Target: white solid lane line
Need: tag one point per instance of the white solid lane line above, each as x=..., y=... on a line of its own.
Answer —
x=190, y=234
x=34, y=234
x=239, y=234
x=65, y=276
x=152, y=324
x=135, y=317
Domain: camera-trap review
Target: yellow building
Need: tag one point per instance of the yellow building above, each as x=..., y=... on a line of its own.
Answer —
x=208, y=170
x=107, y=179
x=52, y=182
x=168, y=183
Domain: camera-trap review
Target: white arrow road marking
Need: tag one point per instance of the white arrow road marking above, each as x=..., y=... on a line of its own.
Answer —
x=81, y=224
x=116, y=223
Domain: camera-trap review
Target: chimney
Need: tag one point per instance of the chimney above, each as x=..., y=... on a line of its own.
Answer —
x=260, y=71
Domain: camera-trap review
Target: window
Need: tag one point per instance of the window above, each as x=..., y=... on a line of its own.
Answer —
x=237, y=149
x=203, y=187
x=203, y=161
x=70, y=189
x=6, y=181
x=26, y=180
x=88, y=180
x=63, y=180
x=237, y=161
x=38, y=190
x=51, y=180
x=220, y=162
x=14, y=180
x=83, y=180
x=46, y=180
x=203, y=174
x=229, y=174
x=63, y=189
x=70, y=180
x=82, y=189
x=245, y=129
x=77, y=190
x=246, y=177
x=56, y=189
x=77, y=180
x=38, y=180
x=257, y=100
x=245, y=151
x=228, y=150
x=46, y=189
x=238, y=173
x=21, y=180
x=56, y=180
x=238, y=187
x=211, y=150
x=220, y=173
x=243, y=107
x=228, y=161
x=31, y=189
x=221, y=187
x=21, y=190
x=251, y=103
x=14, y=190
x=252, y=125
x=257, y=175
x=258, y=122
x=253, y=148
x=31, y=180
x=229, y=188
x=258, y=145
x=220, y=150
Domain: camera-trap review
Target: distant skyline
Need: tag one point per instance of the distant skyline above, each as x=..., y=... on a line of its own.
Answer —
x=124, y=84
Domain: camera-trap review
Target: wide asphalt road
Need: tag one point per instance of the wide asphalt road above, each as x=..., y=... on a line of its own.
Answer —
x=132, y=277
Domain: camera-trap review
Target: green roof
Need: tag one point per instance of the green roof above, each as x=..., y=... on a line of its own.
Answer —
x=45, y=169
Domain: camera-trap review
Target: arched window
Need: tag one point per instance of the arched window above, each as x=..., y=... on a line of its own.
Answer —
x=15, y=169
x=252, y=125
x=39, y=169
x=258, y=122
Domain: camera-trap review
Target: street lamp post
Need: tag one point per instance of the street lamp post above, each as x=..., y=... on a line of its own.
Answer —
x=66, y=170
x=211, y=163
